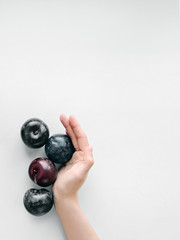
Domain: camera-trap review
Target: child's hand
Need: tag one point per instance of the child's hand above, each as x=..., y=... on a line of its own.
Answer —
x=73, y=174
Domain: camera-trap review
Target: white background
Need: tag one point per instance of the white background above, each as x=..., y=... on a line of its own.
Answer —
x=115, y=65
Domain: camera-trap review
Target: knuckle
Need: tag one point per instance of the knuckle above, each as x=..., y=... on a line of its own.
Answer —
x=83, y=135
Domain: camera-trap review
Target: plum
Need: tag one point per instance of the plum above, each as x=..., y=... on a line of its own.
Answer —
x=34, y=133
x=59, y=148
x=38, y=201
x=42, y=171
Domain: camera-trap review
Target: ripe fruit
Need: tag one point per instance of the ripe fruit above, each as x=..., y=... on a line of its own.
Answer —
x=34, y=133
x=42, y=171
x=38, y=201
x=59, y=148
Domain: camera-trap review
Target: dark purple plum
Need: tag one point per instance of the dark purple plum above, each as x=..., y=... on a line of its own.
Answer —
x=38, y=201
x=34, y=133
x=59, y=148
x=42, y=171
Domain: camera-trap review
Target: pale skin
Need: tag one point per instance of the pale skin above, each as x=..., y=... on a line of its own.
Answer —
x=70, y=178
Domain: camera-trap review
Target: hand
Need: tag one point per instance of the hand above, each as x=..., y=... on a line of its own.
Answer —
x=73, y=174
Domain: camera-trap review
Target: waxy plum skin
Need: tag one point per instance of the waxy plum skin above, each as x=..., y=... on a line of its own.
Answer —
x=38, y=201
x=34, y=133
x=59, y=148
x=43, y=172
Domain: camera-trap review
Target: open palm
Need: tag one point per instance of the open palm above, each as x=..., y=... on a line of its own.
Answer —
x=73, y=174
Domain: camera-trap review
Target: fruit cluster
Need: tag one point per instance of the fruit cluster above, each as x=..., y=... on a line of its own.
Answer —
x=43, y=171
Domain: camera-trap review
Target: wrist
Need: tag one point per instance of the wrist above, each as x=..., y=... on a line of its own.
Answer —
x=61, y=199
x=64, y=204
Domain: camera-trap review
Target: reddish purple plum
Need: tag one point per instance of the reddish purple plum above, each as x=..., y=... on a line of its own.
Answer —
x=43, y=172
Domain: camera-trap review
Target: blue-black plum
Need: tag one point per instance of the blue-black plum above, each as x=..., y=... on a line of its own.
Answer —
x=42, y=171
x=38, y=201
x=34, y=133
x=59, y=148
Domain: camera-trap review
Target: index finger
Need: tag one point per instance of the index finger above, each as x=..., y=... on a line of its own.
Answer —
x=69, y=131
x=79, y=133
